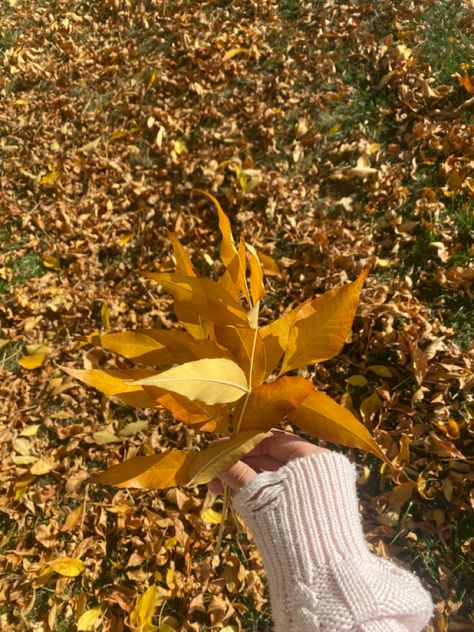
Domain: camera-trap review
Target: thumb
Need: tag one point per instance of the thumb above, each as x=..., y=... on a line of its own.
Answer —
x=238, y=475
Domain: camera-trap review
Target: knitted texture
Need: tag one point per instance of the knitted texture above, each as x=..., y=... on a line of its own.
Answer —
x=306, y=523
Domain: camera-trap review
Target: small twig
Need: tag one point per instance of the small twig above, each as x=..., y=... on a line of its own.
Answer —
x=225, y=509
x=86, y=497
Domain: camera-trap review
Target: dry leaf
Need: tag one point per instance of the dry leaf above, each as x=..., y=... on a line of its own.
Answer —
x=211, y=517
x=233, y=52
x=142, y=613
x=88, y=620
x=67, y=566
x=32, y=361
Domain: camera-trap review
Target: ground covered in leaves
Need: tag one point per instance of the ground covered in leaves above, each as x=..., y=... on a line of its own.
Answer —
x=334, y=135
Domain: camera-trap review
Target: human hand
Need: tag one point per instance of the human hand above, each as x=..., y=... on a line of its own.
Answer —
x=269, y=455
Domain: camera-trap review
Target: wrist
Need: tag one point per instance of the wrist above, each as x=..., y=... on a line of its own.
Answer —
x=307, y=511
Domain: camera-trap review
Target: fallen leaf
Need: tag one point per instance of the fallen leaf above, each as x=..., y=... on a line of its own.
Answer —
x=88, y=620
x=67, y=566
x=233, y=52
x=133, y=428
x=211, y=517
x=43, y=466
x=31, y=362
x=142, y=613
x=102, y=437
x=51, y=262
x=369, y=407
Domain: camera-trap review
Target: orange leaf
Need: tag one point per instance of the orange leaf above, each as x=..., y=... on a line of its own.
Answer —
x=275, y=337
x=239, y=341
x=154, y=347
x=322, y=417
x=270, y=403
x=231, y=258
x=113, y=383
x=183, y=262
x=466, y=82
x=270, y=266
x=157, y=471
x=197, y=326
x=202, y=416
x=257, y=289
x=322, y=326
x=203, y=297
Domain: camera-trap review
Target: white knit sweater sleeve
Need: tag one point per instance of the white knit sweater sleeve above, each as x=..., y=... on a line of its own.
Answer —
x=306, y=524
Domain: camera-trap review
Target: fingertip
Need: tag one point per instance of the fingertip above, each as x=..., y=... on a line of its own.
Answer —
x=215, y=486
x=238, y=475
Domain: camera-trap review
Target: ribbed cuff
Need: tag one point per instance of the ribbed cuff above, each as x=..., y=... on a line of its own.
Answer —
x=306, y=524
x=307, y=511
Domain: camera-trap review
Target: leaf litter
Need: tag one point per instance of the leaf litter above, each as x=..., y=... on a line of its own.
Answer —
x=329, y=151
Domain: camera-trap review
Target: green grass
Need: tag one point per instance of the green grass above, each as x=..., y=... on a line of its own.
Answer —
x=291, y=9
x=431, y=553
x=7, y=39
x=443, y=20
x=367, y=108
x=24, y=267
